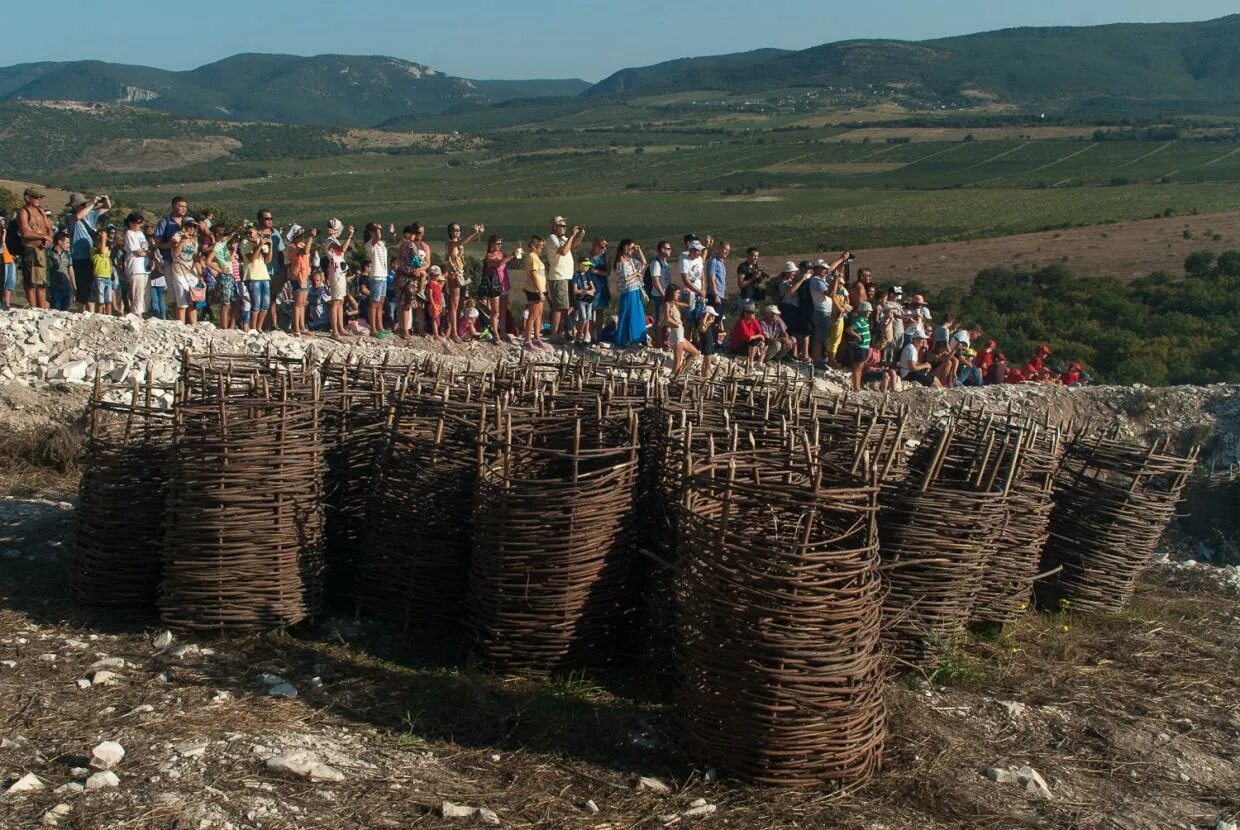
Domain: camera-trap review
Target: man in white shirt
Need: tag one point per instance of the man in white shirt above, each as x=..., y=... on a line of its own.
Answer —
x=912, y=367
x=560, y=268
x=691, y=273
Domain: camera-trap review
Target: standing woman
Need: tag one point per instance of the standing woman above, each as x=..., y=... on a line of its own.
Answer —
x=337, y=281
x=602, y=290
x=297, y=254
x=458, y=282
x=255, y=257
x=376, y=273
x=535, y=289
x=674, y=329
x=158, y=275
x=185, y=271
x=840, y=309
x=630, y=264
x=491, y=288
x=137, y=259
x=222, y=265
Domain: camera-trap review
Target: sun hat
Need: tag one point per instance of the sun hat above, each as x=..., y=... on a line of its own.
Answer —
x=865, y=308
x=435, y=271
x=790, y=267
x=33, y=193
x=821, y=263
x=76, y=200
x=335, y=226
x=559, y=220
x=294, y=230
x=773, y=309
x=471, y=313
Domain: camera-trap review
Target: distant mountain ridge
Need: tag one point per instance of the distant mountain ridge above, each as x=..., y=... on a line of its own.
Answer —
x=1059, y=67
x=345, y=90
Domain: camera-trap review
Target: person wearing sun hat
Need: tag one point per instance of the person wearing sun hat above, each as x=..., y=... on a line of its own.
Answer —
x=35, y=230
x=797, y=320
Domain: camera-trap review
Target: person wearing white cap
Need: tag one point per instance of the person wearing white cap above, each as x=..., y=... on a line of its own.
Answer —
x=692, y=270
x=560, y=270
x=298, y=255
x=779, y=342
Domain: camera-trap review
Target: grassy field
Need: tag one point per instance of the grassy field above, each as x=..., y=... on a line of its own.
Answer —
x=654, y=168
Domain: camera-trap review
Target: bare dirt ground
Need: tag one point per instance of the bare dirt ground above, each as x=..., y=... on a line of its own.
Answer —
x=1125, y=250
x=126, y=155
x=1131, y=719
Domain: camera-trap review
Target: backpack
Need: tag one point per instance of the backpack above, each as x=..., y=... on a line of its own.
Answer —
x=648, y=280
x=13, y=238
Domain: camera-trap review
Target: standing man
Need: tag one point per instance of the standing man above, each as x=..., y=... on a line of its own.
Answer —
x=560, y=270
x=275, y=266
x=692, y=272
x=822, y=304
x=749, y=278
x=83, y=224
x=659, y=273
x=167, y=228
x=36, y=235
x=717, y=276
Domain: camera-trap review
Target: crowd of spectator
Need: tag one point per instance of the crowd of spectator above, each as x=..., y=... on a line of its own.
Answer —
x=255, y=275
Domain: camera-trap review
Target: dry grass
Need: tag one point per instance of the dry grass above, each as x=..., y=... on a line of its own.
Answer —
x=39, y=461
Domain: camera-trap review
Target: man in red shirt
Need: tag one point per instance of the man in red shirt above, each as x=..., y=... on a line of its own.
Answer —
x=747, y=336
x=985, y=357
x=1072, y=377
x=1035, y=366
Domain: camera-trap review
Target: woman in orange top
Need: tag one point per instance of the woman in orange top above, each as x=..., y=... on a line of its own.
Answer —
x=298, y=257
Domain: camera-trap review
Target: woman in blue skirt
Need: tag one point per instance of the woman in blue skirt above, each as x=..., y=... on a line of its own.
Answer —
x=630, y=265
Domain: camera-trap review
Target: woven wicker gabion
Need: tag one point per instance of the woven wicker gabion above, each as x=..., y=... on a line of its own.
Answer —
x=554, y=541
x=1113, y=500
x=244, y=533
x=1006, y=590
x=117, y=539
x=939, y=531
x=778, y=666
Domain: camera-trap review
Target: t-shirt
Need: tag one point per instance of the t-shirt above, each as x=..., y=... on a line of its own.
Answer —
x=582, y=283
x=164, y=232
x=223, y=259
x=820, y=293
x=560, y=267
x=893, y=311
x=58, y=265
x=299, y=263
x=909, y=358
x=691, y=270
x=535, y=274
x=717, y=270
x=746, y=271
x=788, y=294
x=135, y=241
x=628, y=277
x=254, y=262
x=774, y=328
x=861, y=327
x=746, y=329
x=101, y=264
x=671, y=316
x=81, y=235
x=378, y=260
x=660, y=275
x=277, y=252
x=316, y=303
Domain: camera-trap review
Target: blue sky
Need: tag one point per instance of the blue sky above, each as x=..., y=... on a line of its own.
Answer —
x=587, y=39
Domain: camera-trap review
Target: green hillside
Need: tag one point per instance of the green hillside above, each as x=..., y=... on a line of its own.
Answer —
x=1179, y=67
x=326, y=89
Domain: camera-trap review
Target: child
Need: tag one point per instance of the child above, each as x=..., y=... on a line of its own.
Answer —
x=674, y=328
x=317, y=316
x=709, y=335
x=337, y=279
x=101, y=265
x=467, y=328
x=434, y=299
x=582, y=289
x=158, y=275
x=60, y=273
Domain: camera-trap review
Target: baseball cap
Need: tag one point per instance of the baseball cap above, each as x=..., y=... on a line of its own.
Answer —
x=790, y=267
x=587, y=263
x=970, y=352
x=435, y=271
x=710, y=309
x=962, y=336
x=820, y=263
x=559, y=220
x=773, y=309
x=696, y=246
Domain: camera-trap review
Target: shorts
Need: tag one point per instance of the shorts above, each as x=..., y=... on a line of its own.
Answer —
x=101, y=292
x=34, y=268
x=10, y=276
x=921, y=376
x=490, y=286
x=378, y=289
x=225, y=289
x=337, y=287
x=583, y=312
x=859, y=355
x=557, y=293
x=180, y=291
x=675, y=336
x=533, y=297
x=707, y=344
x=260, y=295
x=822, y=326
